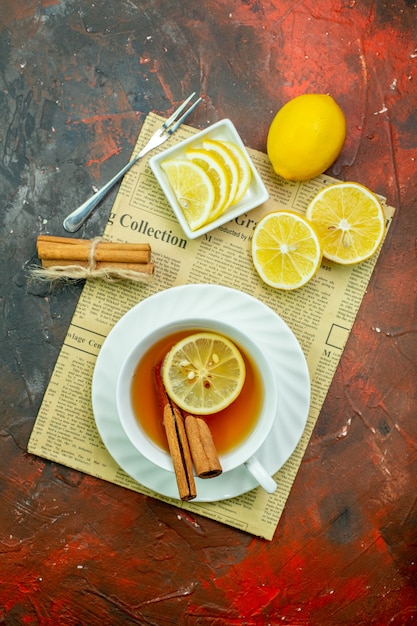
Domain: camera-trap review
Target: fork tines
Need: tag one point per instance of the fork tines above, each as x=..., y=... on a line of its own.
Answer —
x=167, y=125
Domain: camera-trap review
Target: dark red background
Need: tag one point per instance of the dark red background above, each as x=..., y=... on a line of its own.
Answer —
x=77, y=80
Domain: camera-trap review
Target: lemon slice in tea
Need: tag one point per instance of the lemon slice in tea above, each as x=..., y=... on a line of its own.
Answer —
x=203, y=373
x=286, y=250
x=349, y=220
x=193, y=190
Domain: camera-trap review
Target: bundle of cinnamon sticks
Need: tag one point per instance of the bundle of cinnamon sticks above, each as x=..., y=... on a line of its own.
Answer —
x=95, y=255
x=190, y=443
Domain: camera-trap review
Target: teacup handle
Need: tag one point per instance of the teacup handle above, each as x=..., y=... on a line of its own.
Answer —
x=260, y=474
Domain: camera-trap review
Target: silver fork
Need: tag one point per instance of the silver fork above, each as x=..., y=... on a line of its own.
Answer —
x=75, y=219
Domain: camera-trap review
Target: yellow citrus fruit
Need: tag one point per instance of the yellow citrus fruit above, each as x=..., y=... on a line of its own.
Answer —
x=350, y=222
x=219, y=148
x=203, y=373
x=193, y=189
x=214, y=166
x=306, y=136
x=286, y=250
x=244, y=170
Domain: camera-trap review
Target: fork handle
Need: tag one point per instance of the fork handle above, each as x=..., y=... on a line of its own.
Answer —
x=77, y=218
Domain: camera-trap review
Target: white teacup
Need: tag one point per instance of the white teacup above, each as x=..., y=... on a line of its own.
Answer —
x=244, y=453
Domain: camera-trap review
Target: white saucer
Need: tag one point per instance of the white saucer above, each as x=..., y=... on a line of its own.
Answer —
x=249, y=316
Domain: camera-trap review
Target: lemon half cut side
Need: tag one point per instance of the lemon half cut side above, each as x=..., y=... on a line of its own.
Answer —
x=286, y=250
x=203, y=373
x=350, y=222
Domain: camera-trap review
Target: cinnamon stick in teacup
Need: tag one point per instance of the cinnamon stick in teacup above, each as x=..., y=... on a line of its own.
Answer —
x=203, y=451
x=177, y=441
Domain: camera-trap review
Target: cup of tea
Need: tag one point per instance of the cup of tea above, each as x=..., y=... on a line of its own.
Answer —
x=238, y=431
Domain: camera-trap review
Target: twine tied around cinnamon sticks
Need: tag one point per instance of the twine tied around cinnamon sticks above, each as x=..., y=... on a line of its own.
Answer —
x=65, y=258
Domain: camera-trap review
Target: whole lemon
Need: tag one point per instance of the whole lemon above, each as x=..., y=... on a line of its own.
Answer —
x=306, y=136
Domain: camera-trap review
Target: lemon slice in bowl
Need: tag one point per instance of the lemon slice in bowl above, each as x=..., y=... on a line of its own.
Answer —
x=193, y=190
x=222, y=151
x=203, y=373
x=219, y=175
x=350, y=222
x=286, y=250
x=244, y=170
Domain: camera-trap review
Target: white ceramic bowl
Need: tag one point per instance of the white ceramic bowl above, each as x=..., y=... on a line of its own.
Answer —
x=254, y=196
x=242, y=452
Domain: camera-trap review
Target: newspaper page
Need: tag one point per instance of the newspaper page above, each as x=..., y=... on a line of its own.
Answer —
x=321, y=315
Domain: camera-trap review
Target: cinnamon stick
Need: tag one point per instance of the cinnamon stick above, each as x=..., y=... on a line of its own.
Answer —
x=81, y=251
x=111, y=245
x=203, y=451
x=200, y=441
x=177, y=441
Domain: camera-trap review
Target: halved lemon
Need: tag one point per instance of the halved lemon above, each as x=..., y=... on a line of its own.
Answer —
x=214, y=167
x=244, y=170
x=286, y=250
x=350, y=222
x=229, y=161
x=203, y=373
x=193, y=189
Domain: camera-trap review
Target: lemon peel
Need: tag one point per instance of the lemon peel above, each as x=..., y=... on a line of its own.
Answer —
x=306, y=136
